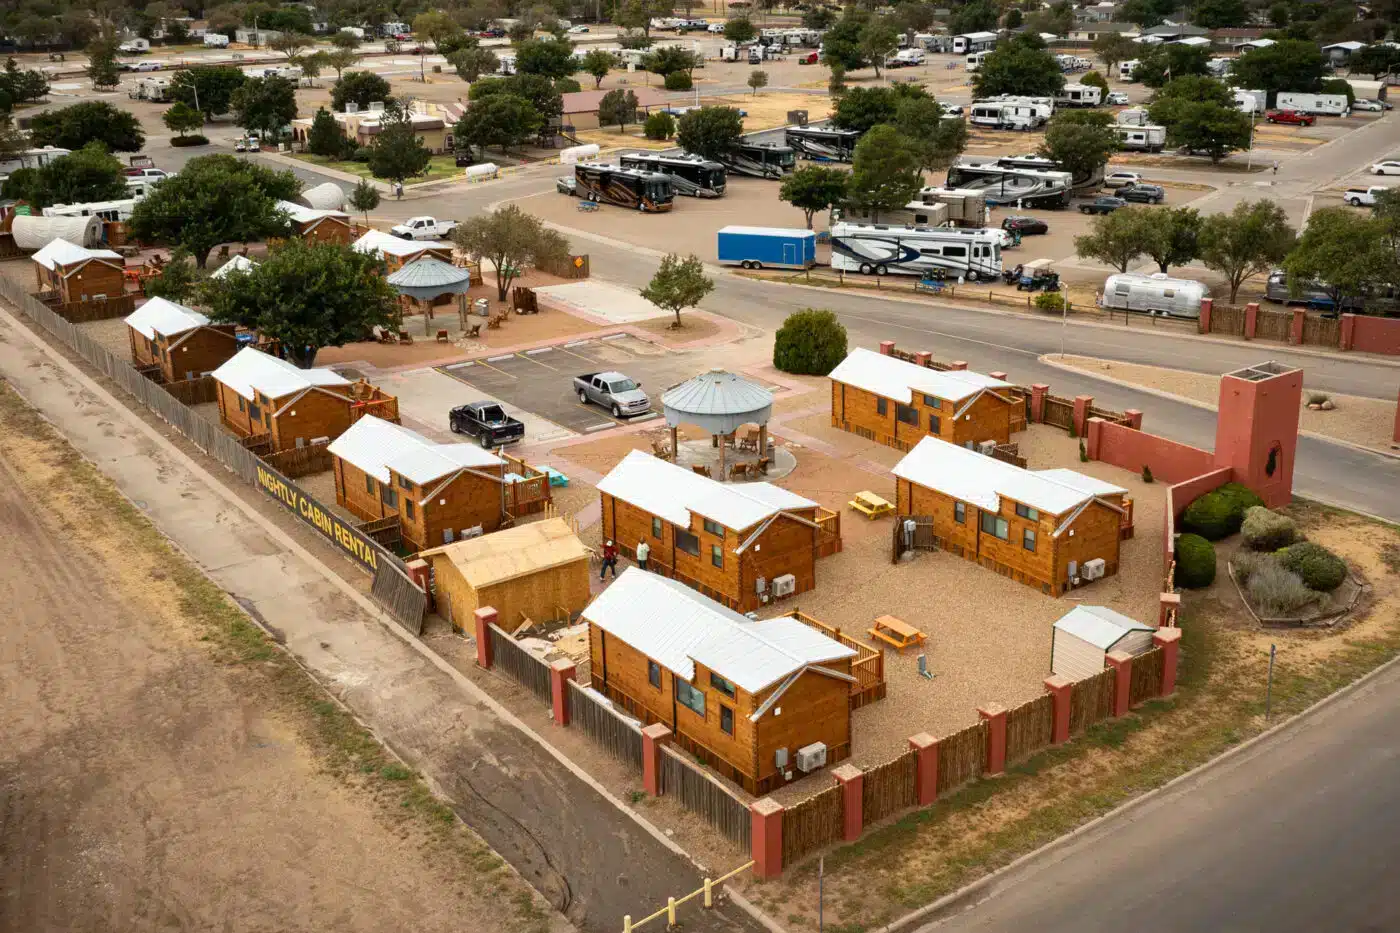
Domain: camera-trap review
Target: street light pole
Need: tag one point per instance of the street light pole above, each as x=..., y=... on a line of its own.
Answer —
x=1253, y=116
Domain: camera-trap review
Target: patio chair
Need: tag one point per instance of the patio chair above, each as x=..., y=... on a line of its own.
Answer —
x=405, y=337
x=474, y=330
x=700, y=469
x=442, y=337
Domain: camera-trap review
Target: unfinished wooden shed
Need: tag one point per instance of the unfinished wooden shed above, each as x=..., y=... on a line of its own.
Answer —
x=537, y=571
x=1085, y=634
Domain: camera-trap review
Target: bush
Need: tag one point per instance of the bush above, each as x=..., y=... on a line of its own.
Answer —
x=1147, y=474
x=1195, y=562
x=567, y=86
x=678, y=81
x=1243, y=497
x=1246, y=562
x=437, y=69
x=810, y=343
x=1318, y=567
x=1050, y=301
x=1317, y=398
x=1219, y=514
x=1264, y=530
x=192, y=140
x=1275, y=591
x=659, y=125
x=360, y=155
x=1083, y=453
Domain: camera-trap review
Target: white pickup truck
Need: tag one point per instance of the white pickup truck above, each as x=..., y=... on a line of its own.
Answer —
x=1357, y=197
x=423, y=228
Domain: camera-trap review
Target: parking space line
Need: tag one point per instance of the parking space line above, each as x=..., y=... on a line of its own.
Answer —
x=586, y=359
x=531, y=359
x=495, y=369
x=612, y=337
x=600, y=427
x=539, y=350
x=497, y=359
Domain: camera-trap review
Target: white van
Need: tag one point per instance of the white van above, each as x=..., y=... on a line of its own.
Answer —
x=1153, y=294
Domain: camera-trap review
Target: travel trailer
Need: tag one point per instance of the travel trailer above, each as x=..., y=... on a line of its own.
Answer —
x=1006, y=115
x=1133, y=117
x=974, y=61
x=1251, y=101
x=878, y=249
x=1331, y=105
x=1153, y=294
x=965, y=207
x=1145, y=138
x=1126, y=69
x=215, y=40
x=1079, y=95
x=1022, y=187
x=970, y=42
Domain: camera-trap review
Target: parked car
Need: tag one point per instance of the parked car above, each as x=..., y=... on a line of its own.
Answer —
x=1290, y=117
x=143, y=66
x=1371, y=106
x=614, y=391
x=1388, y=167
x=423, y=228
x=1104, y=204
x=487, y=422
x=1119, y=179
x=1026, y=226
x=578, y=30
x=1357, y=197
x=1116, y=99
x=254, y=145
x=150, y=174
x=1143, y=194
x=566, y=185
x=240, y=145
x=951, y=110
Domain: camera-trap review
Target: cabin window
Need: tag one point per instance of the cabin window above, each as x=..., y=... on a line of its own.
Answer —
x=932, y=402
x=726, y=720
x=1028, y=540
x=995, y=525
x=906, y=414
x=405, y=482
x=241, y=406
x=714, y=528
x=389, y=497
x=264, y=399
x=881, y=407
x=690, y=698
x=716, y=555
x=1027, y=512
x=958, y=251
x=685, y=541
x=408, y=509
x=369, y=484
x=254, y=412
x=656, y=528
x=935, y=424
x=722, y=685
x=960, y=513
x=1120, y=289
x=654, y=674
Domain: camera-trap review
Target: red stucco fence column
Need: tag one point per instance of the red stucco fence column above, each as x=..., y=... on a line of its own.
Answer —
x=654, y=738
x=766, y=837
x=852, y=782
x=925, y=748
x=485, y=656
x=995, y=716
x=1062, y=689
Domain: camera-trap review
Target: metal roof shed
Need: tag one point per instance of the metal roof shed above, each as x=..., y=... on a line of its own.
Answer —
x=1086, y=634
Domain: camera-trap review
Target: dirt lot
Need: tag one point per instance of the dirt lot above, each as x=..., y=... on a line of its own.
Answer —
x=150, y=727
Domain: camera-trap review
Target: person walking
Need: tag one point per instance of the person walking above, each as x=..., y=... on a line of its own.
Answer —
x=643, y=552
x=1275, y=166
x=609, y=560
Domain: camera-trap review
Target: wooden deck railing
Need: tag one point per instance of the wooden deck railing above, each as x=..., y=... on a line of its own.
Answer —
x=529, y=495
x=828, y=532
x=868, y=668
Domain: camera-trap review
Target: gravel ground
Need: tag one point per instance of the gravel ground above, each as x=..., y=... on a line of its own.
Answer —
x=1366, y=421
x=112, y=334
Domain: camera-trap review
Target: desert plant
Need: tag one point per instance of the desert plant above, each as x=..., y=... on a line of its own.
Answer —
x=1050, y=301
x=1245, y=563
x=1147, y=474
x=1317, y=398
x=678, y=81
x=1276, y=591
x=1083, y=454
x=1318, y=567
x=1195, y=561
x=810, y=343
x=1264, y=530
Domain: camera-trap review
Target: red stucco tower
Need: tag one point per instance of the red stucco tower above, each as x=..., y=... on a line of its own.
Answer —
x=1256, y=433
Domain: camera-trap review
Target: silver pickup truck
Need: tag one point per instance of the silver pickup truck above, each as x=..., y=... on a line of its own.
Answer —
x=614, y=391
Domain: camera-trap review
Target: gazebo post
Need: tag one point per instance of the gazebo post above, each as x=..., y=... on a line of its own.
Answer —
x=721, y=457
x=762, y=440
x=675, y=447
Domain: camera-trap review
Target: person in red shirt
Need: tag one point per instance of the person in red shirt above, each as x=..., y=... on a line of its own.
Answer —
x=609, y=560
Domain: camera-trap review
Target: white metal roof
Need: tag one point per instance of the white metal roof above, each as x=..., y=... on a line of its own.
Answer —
x=1100, y=626
x=62, y=253
x=770, y=231
x=1089, y=485
x=251, y=371
x=972, y=477
x=894, y=378
x=1193, y=41
x=675, y=626
x=378, y=243
x=236, y=264
x=1352, y=46
x=377, y=446
x=675, y=493
x=976, y=35
x=302, y=214
x=718, y=393
x=164, y=317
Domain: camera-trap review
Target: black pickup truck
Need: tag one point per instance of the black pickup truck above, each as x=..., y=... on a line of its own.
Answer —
x=487, y=422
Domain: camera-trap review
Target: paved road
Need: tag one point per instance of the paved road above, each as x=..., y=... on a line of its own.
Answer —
x=1298, y=835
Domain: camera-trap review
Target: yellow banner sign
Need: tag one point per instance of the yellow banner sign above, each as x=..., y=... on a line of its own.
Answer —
x=322, y=519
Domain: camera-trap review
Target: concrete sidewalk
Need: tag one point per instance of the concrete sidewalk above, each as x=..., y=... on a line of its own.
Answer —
x=590, y=856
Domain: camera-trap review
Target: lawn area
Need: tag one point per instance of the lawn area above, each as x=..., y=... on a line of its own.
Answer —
x=442, y=166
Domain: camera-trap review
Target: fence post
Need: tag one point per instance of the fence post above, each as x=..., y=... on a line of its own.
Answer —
x=925, y=749
x=995, y=716
x=1038, y=392
x=1134, y=418
x=1169, y=640
x=852, y=781
x=1295, y=326
x=1062, y=689
x=654, y=738
x=1081, y=413
x=766, y=837
x=887, y=348
x=1346, y=336
x=560, y=673
x=1122, y=664
x=485, y=655
x=1093, y=436
x=418, y=573
x=958, y=365
x=998, y=375
x=1251, y=319
x=922, y=357
x=1166, y=604
x=1203, y=322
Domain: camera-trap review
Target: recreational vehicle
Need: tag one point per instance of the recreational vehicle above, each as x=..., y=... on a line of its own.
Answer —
x=879, y=249
x=1087, y=179
x=215, y=40
x=823, y=145
x=155, y=90
x=970, y=42
x=966, y=207
x=1153, y=294
x=1133, y=117
x=760, y=160
x=974, y=61
x=110, y=211
x=1312, y=294
x=1022, y=187
x=913, y=214
x=612, y=184
x=1079, y=95
x=1007, y=115
x=1146, y=138
x=1332, y=105
x=1126, y=69
x=1251, y=101
x=690, y=174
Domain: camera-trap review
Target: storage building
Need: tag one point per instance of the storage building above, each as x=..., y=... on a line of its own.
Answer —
x=1086, y=634
x=235, y=264
x=182, y=342
x=398, y=252
x=318, y=226
x=761, y=702
x=69, y=273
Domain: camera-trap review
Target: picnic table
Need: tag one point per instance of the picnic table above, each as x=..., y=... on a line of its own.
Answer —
x=871, y=505
x=896, y=632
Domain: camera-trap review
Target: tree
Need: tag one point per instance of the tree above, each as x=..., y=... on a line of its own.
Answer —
x=1341, y=87
x=540, y=91
x=502, y=120
x=1251, y=240
x=179, y=280
x=471, y=64
x=678, y=284
x=814, y=188
x=22, y=85
x=306, y=295
x=1117, y=239
x=345, y=40
x=1144, y=13
x=617, y=108
x=215, y=199
x=758, y=78
x=710, y=132
x=1181, y=92
x=836, y=84
x=325, y=138
x=1163, y=63
x=1094, y=79
x=438, y=27
x=1174, y=238
x=85, y=175
x=265, y=105
x=598, y=63
x=1287, y=65
x=102, y=65
x=659, y=126
x=341, y=59
x=1081, y=141
x=914, y=16
x=1341, y=251
x=1018, y=67
x=977, y=16
x=358, y=88
x=885, y=172
x=208, y=88
x=181, y=119
x=670, y=59
x=1114, y=47
x=1379, y=60
x=290, y=44
x=75, y=126
x=396, y=153
x=510, y=240
x=811, y=342
x=1209, y=128
x=841, y=43
x=937, y=140
x=1014, y=18
x=1220, y=14
x=878, y=40
x=819, y=17
x=740, y=30
x=553, y=58
x=364, y=197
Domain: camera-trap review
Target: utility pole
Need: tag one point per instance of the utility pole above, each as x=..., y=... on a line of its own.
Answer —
x=1269, y=689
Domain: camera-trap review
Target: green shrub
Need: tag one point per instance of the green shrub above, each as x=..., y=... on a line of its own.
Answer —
x=1147, y=474
x=361, y=154
x=659, y=125
x=1083, y=454
x=1208, y=516
x=810, y=343
x=1050, y=301
x=195, y=139
x=1274, y=591
x=1319, y=568
x=678, y=81
x=1317, y=398
x=1243, y=497
x=1264, y=530
x=1195, y=562
x=567, y=86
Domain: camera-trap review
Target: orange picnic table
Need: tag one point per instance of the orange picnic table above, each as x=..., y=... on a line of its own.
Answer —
x=896, y=633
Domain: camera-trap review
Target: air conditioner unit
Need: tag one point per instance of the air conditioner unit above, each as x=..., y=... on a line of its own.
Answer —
x=811, y=757
x=785, y=585
x=1094, y=569
x=986, y=447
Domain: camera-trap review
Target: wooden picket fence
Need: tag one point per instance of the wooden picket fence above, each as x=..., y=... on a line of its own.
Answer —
x=813, y=824
x=889, y=788
x=706, y=797
x=1092, y=700
x=1029, y=728
x=1146, y=681
x=961, y=757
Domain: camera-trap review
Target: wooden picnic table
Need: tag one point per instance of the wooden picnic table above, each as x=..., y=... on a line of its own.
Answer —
x=871, y=505
x=896, y=633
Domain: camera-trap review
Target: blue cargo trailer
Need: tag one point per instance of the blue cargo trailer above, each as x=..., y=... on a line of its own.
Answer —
x=767, y=247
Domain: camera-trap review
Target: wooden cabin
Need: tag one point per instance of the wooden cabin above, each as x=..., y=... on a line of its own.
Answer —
x=318, y=226
x=69, y=273
x=1032, y=527
x=182, y=342
x=440, y=492
x=760, y=702
x=537, y=572
x=1083, y=637
x=741, y=544
x=897, y=403
x=398, y=252
x=262, y=396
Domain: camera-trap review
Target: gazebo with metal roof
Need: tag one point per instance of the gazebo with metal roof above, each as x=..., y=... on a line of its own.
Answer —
x=428, y=278
x=719, y=402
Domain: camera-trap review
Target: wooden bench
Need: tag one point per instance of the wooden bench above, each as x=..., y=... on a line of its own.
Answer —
x=405, y=337
x=870, y=505
x=896, y=633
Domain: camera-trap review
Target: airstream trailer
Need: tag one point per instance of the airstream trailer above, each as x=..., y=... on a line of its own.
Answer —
x=1153, y=294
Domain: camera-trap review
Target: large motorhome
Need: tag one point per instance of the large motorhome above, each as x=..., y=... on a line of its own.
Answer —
x=1079, y=95
x=975, y=60
x=612, y=184
x=970, y=42
x=1153, y=294
x=1146, y=138
x=690, y=174
x=760, y=160
x=1002, y=184
x=1090, y=179
x=111, y=211
x=823, y=145
x=1126, y=69
x=879, y=249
